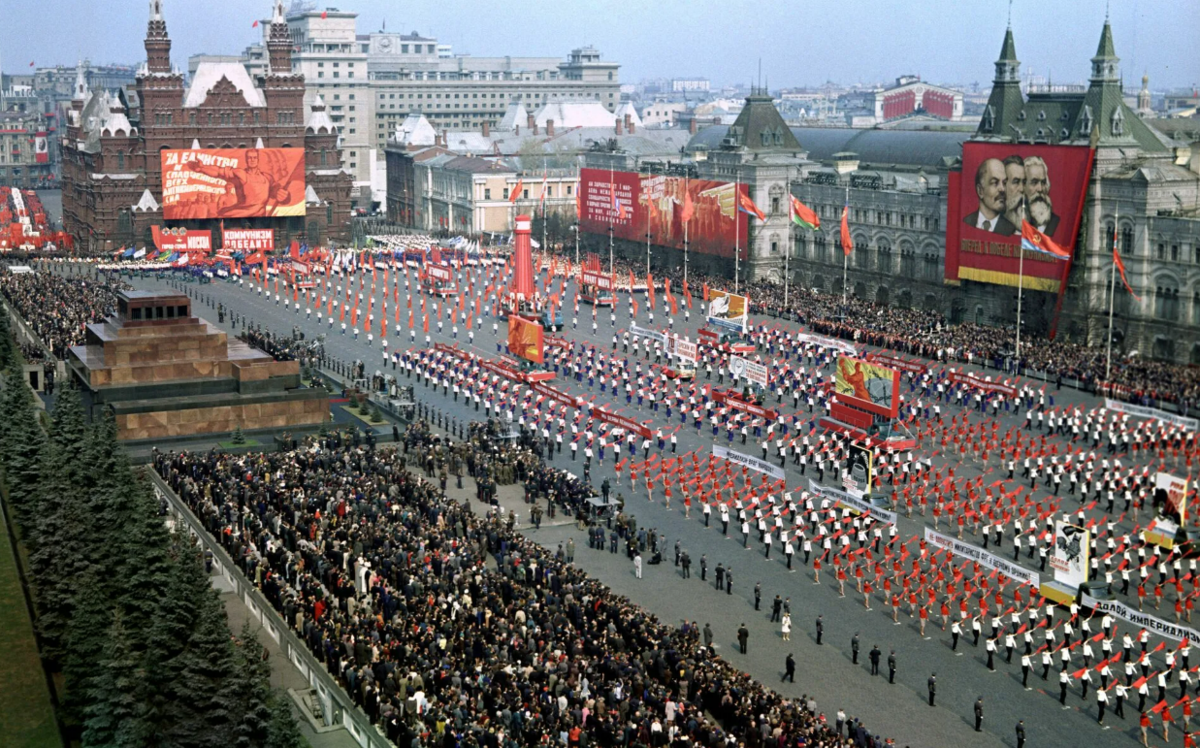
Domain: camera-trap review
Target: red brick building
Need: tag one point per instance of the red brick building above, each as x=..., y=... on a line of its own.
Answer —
x=112, y=173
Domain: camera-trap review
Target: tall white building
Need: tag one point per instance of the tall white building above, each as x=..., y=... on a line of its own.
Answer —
x=371, y=82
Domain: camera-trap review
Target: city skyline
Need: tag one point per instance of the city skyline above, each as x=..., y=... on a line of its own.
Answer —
x=958, y=52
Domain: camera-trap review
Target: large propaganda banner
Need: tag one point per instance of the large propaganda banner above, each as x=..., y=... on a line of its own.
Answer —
x=868, y=386
x=232, y=183
x=1002, y=185
x=636, y=203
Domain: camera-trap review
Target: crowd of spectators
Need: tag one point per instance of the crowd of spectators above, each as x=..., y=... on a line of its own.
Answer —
x=56, y=307
x=449, y=628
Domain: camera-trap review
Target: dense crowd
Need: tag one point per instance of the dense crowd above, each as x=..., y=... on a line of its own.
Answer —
x=56, y=307
x=387, y=581
x=929, y=334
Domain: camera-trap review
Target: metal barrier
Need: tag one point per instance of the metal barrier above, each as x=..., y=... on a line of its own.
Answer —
x=336, y=706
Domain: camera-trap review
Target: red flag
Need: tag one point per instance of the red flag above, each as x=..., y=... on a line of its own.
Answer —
x=1121, y=268
x=746, y=205
x=688, y=208
x=512, y=196
x=1035, y=241
x=254, y=25
x=323, y=15
x=847, y=242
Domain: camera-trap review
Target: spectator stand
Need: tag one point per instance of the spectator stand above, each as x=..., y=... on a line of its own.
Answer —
x=335, y=710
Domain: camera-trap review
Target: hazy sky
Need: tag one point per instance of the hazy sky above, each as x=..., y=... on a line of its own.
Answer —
x=800, y=42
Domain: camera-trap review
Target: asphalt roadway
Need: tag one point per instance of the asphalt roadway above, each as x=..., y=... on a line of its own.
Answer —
x=824, y=672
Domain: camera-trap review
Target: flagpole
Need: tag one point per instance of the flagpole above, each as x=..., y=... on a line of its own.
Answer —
x=685, y=231
x=845, y=255
x=737, y=249
x=651, y=170
x=543, y=200
x=612, y=199
x=1112, y=290
x=1020, y=290
x=787, y=256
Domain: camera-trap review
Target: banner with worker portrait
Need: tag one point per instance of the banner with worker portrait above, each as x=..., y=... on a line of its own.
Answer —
x=859, y=471
x=232, y=183
x=525, y=339
x=1002, y=185
x=1171, y=496
x=1069, y=558
x=868, y=386
x=728, y=311
x=751, y=371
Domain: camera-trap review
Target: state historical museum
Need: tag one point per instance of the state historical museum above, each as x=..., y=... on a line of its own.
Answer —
x=223, y=152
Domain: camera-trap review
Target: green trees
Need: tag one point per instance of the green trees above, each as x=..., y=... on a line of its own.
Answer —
x=125, y=609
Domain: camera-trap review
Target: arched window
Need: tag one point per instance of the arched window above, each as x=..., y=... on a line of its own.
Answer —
x=1166, y=303
x=885, y=257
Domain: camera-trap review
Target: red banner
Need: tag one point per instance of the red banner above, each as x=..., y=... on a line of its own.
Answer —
x=735, y=401
x=1000, y=186
x=553, y=394
x=912, y=367
x=599, y=280
x=232, y=183
x=633, y=204
x=621, y=422
x=41, y=148
x=190, y=241
x=983, y=383
x=248, y=240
